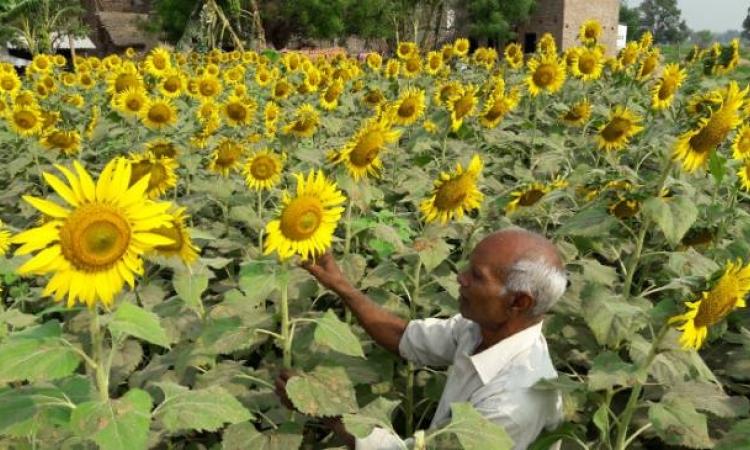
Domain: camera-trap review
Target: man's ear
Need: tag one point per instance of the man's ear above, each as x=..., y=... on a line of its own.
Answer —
x=523, y=303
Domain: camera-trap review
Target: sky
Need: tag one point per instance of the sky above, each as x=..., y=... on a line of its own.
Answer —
x=714, y=15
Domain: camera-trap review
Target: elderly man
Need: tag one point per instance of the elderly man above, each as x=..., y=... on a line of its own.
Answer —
x=495, y=346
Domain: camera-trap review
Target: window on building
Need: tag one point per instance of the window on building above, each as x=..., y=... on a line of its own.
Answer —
x=529, y=42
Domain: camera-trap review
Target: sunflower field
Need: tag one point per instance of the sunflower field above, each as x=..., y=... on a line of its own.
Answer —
x=155, y=208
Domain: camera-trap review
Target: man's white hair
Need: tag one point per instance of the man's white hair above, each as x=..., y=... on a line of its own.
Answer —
x=539, y=279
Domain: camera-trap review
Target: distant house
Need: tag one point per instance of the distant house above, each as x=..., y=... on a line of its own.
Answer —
x=117, y=24
x=563, y=18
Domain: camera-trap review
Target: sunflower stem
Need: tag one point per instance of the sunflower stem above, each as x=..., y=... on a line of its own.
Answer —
x=627, y=414
x=286, y=339
x=636, y=256
x=100, y=371
x=260, y=218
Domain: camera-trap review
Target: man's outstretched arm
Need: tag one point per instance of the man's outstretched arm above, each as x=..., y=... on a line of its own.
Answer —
x=383, y=326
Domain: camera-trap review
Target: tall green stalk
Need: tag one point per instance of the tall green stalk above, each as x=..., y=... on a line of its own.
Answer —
x=100, y=370
x=286, y=336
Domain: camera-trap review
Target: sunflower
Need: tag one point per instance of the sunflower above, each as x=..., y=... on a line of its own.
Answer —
x=239, y=110
x=461, y=47
x=25, y=120
x=361, y=155
x=409, y=107
x=173, y=84
x=430, y=127
x=445, y=91
x=412, y=66
x=374, y=61
x=587, y=63
x=5, y=238
x=621, y=126
x=158, y=113
x=158, y=62
x=663, y=92
x=647, y=39
x=578, y=113
x=67, y=142
x=454, y=194
x=373, y=98
x=406, y=50
x=590, y=32
x=329, y=99
x=182, y=245
x=497, y=107
x=744, y=175
x=305, y=122
x=714, y=305
x=226, y=157
x=434, y=63
x=648, y=64
x=703, y=104
x=545, y=73
x=264, y=77
x=263, y=170
x=447, y=51
x=392, y=68
x=94, y=244
x=130, y=102
x=124, y=78
x=281, y=89
x=741, y=144
x=624, y=208
x=462, y=105
x=162, y=148
x=10, y=83
x=514, y=55
x=307, y=220
x=208, y=87
x=530, y=194
x=161, y=171
x=547, y=45
x=695, y=146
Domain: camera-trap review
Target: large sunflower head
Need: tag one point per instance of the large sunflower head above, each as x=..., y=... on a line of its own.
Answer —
x=408, y=107
x=587, y=63
x=713, y=305
x=226, y=156
x=281, y=89
x=263, y=170
x=461, y=47
x=664, y=90
x=93, y=243
x=239, y=111
x=10, y=83
x=545, y=73
x=173, y=83
x=162, y=148
x=514, y=55
x=590, y=32
x=406, y=49
x=305, y=123
x=629, y=55
x=307, y=220
x=434, y=62
x=25, y=120
x=374, y=61
x=530, y=194
x=547, y=45
x=392, y=68
x=454, y=194
x=694, y=147
x=182, y=246
x=361, y=155
x=158, y=62
x=124, y=78
x=207, y=87
x=649, y=63
x=741, y=144
x=497, y=107
x=615, y=134
x=67, y=142
x=462, y=105
x=161, y=173
x=329, y=99
x=578, y=113
x=130, y=102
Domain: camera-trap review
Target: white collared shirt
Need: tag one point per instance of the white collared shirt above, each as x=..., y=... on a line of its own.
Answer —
x=497, y=381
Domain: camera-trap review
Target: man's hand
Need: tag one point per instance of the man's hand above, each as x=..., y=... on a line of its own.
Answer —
x=327, y=272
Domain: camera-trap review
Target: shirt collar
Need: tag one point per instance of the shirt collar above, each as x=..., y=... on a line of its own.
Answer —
x=489, y=362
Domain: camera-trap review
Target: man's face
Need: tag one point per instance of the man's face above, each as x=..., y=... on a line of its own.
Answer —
x=481, y=297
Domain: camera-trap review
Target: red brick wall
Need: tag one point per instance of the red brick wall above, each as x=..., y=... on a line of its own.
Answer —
x=546, y=18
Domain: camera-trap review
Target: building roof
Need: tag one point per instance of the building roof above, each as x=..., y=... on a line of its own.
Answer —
x=123, y=29
x=59, y=41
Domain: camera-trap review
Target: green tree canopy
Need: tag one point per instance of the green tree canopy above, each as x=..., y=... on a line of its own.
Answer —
x=631, y=17
x=36, y=21
x=664, y=20
x=493, y=20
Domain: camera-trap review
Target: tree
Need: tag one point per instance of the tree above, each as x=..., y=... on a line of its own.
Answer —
x=663, y=19
x=38, y=22
x=704, y=38
x=631, y=17
x=492, y=21
x=746, y=26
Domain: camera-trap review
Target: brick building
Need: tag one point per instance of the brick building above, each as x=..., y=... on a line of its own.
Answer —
x=118, y=24
x=563, y=18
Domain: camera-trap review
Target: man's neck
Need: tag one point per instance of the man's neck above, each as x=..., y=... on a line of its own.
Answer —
x=493, y=335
